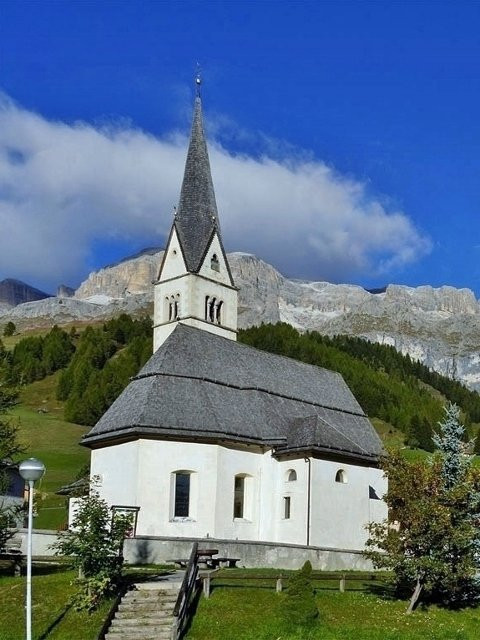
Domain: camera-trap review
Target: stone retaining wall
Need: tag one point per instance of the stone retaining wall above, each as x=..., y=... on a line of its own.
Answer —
x=158, y=550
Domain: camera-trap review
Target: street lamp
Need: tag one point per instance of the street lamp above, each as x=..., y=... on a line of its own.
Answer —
x=31, y=470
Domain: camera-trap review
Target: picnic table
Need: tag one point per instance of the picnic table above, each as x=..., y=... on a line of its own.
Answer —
x=205, y=557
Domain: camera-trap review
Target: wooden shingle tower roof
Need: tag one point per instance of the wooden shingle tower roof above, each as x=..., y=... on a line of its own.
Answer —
x=196, y=217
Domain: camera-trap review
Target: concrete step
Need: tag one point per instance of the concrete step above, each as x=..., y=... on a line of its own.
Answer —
x=144, y=614
x=151, y=605
x=159, y=635
x=139, y=634
x=137, y=596
x=126, y=623
x=135, y=612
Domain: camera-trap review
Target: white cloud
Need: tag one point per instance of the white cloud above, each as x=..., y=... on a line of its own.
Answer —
x=63, y=186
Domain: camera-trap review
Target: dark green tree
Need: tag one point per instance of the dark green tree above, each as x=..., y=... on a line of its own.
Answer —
x=300, y=608
x=9, y=329
x=10, y=448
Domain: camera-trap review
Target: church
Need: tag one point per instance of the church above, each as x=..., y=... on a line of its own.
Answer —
x=216, y=439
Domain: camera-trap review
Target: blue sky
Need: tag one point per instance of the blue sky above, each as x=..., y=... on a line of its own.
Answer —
x=367, y=111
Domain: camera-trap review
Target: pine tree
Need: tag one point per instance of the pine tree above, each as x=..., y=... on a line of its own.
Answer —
x=9, y=329
x=300, y=606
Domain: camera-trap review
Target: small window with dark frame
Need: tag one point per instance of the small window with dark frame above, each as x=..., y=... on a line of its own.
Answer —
x=214, y=263
x=372, y=494
x=291, y=475
x=286, y=507
x=239, y=497
x=182, y=495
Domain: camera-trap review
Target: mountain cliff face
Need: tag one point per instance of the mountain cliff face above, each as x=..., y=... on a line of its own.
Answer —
x=13, y=292
x=125, y=278
x=440, y=327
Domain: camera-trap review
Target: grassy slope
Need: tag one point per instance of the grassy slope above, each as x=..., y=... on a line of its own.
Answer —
x=54, y=441
x=52, y=617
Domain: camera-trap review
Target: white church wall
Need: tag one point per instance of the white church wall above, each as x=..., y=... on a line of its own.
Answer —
x=159, y=460
x=339, y=510
x=145, y=478
x=291, y=530
x=233, y=462
x=379, y=483
x=117, y=471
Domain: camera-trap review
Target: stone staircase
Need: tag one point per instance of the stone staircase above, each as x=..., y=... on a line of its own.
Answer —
x=145, y=613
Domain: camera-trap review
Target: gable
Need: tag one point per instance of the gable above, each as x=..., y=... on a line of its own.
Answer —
x=215, y=265
x=173, y=263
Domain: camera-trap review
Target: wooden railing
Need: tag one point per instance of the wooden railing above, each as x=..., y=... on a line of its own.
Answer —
x=280, y=581
x=186, y=594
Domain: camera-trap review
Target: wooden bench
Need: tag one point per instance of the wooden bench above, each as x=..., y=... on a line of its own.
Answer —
x=12, y=553
x=231, y=563
x=182, y=562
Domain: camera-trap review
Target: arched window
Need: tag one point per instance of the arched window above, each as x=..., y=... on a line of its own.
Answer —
x=291, y=475
x=173, y=307
x=341, y=476
x=214, y=263
x=218, y=312
x=239, y=496
x=181, y=506
x=211, y=310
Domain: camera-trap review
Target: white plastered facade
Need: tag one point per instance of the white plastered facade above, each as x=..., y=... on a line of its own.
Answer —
x=141, y=473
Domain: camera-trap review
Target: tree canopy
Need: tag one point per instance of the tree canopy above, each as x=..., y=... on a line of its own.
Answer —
x=431, y=540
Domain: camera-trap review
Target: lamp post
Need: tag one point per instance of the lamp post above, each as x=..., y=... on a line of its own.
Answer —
x=31, y=470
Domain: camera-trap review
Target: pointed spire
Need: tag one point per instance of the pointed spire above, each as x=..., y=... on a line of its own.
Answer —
x=197, y=215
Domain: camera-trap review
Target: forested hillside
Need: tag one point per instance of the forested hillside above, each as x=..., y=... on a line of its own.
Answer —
x=97, y=363
x=387, y=385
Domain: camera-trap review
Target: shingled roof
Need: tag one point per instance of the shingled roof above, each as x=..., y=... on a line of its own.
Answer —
x=202, y=386
x=196, y=218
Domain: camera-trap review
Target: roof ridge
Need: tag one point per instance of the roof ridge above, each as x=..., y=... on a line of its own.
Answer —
x=270, y=353
x=143, y=376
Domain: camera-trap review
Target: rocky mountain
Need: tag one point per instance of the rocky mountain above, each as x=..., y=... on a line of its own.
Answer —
x=13, y=292
x=63, y=291
x=440, y=327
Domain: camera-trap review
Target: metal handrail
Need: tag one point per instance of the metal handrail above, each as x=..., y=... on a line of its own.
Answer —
x=189, y=583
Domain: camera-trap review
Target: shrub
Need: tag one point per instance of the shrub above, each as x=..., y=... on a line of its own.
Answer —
x=300, y=608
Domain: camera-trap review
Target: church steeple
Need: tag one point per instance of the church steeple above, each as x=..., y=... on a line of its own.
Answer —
x=197, y=217
x=195, y=285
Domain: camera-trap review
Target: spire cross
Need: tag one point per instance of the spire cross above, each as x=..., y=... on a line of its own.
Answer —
x=198, y=79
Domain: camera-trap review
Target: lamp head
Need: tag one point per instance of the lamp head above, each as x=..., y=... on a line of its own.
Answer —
x=31, y=470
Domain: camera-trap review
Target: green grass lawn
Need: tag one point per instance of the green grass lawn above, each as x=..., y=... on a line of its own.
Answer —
x=245, y=613
x=53, y=619
x=50, y=438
